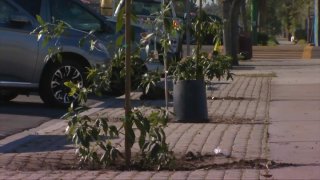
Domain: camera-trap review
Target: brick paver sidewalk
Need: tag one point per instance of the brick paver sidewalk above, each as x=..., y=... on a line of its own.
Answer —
x=238, y=126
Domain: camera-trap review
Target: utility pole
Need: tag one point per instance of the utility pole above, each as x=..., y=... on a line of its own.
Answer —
x=254, y=20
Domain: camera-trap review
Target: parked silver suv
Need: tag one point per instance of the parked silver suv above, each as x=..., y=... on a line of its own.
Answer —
x=24, y=66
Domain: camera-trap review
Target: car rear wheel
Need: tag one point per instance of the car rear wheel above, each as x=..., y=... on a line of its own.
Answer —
x=7, y=95
x=52, y=87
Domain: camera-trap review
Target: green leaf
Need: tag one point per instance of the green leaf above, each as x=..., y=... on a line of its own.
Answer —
x=114, y=153
x=93, y=72
x=155, y=150
x=40, y=20
x=73, y=88
x=82, y=139
x=163, y=134
x=102, y=146
x=82, y=151
x=39, y=36
x=131, y=137
x=158, y=134
x=139, y=125
x=113, y=131
x=104, y=125
x=119, y=40
x=104, y=157
x=147, y=88
x=94, y=156
x=145, y=146
x=45, y=41
x=142, y=140
x=134, y=18
x=92, y=44
x=120, y=16
x=59, y=57
x=94, y=133
x=168, y=24
x=81, y=42
x=146, y=124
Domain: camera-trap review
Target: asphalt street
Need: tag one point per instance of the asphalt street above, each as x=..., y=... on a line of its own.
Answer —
x=25, y=112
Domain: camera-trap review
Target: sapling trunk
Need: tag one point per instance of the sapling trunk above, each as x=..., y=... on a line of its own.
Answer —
x=198, y=47
x=166, y=79
x=188, y=26
x=128, y=81
x=165, y=59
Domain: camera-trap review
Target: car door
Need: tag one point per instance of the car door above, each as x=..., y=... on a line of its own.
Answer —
x=18, y=48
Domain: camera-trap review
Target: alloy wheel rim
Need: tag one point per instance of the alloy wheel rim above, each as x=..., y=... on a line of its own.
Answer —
x=59, y=89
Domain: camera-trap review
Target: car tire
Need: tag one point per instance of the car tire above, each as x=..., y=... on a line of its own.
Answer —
x=52, y=88
x=7, y=95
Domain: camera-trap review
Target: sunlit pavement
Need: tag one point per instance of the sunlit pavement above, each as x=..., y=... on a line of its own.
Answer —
x=273, y=114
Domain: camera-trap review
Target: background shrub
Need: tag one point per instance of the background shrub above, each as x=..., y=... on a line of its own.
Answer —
x=300, y=34
x=262, y=39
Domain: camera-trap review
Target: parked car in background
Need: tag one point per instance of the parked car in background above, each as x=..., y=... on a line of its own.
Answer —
x=24, y=63
x=146, y=12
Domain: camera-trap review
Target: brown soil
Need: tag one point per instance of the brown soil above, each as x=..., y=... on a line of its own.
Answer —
x=191, y=162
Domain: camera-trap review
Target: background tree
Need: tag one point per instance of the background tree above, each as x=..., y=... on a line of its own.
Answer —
x=213, y=9
x=180, y=7
x=294, y=13
x=282, y=16
x=274, y=25
x=231, y=11
x=244, y=17
x=262, y=9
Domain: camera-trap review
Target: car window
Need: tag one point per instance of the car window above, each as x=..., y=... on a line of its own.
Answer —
x=11, y=17
x=74, y=15
x=31, y=7
x=6, y=10
x=147, y=8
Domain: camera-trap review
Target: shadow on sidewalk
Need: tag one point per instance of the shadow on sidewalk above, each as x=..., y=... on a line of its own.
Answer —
x=243, y=67
x=135, y=102
x=38, y=143
x=31, y=109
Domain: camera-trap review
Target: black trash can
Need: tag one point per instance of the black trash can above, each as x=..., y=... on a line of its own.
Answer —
x=245, y=45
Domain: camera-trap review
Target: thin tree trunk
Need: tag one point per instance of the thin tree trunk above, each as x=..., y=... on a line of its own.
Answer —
x=165, y=60
x=226, y=4
x=263, y=15
x=231, y=10
x=128, y=80
x=188, y=26
x=234, y=16
x=198, y=47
